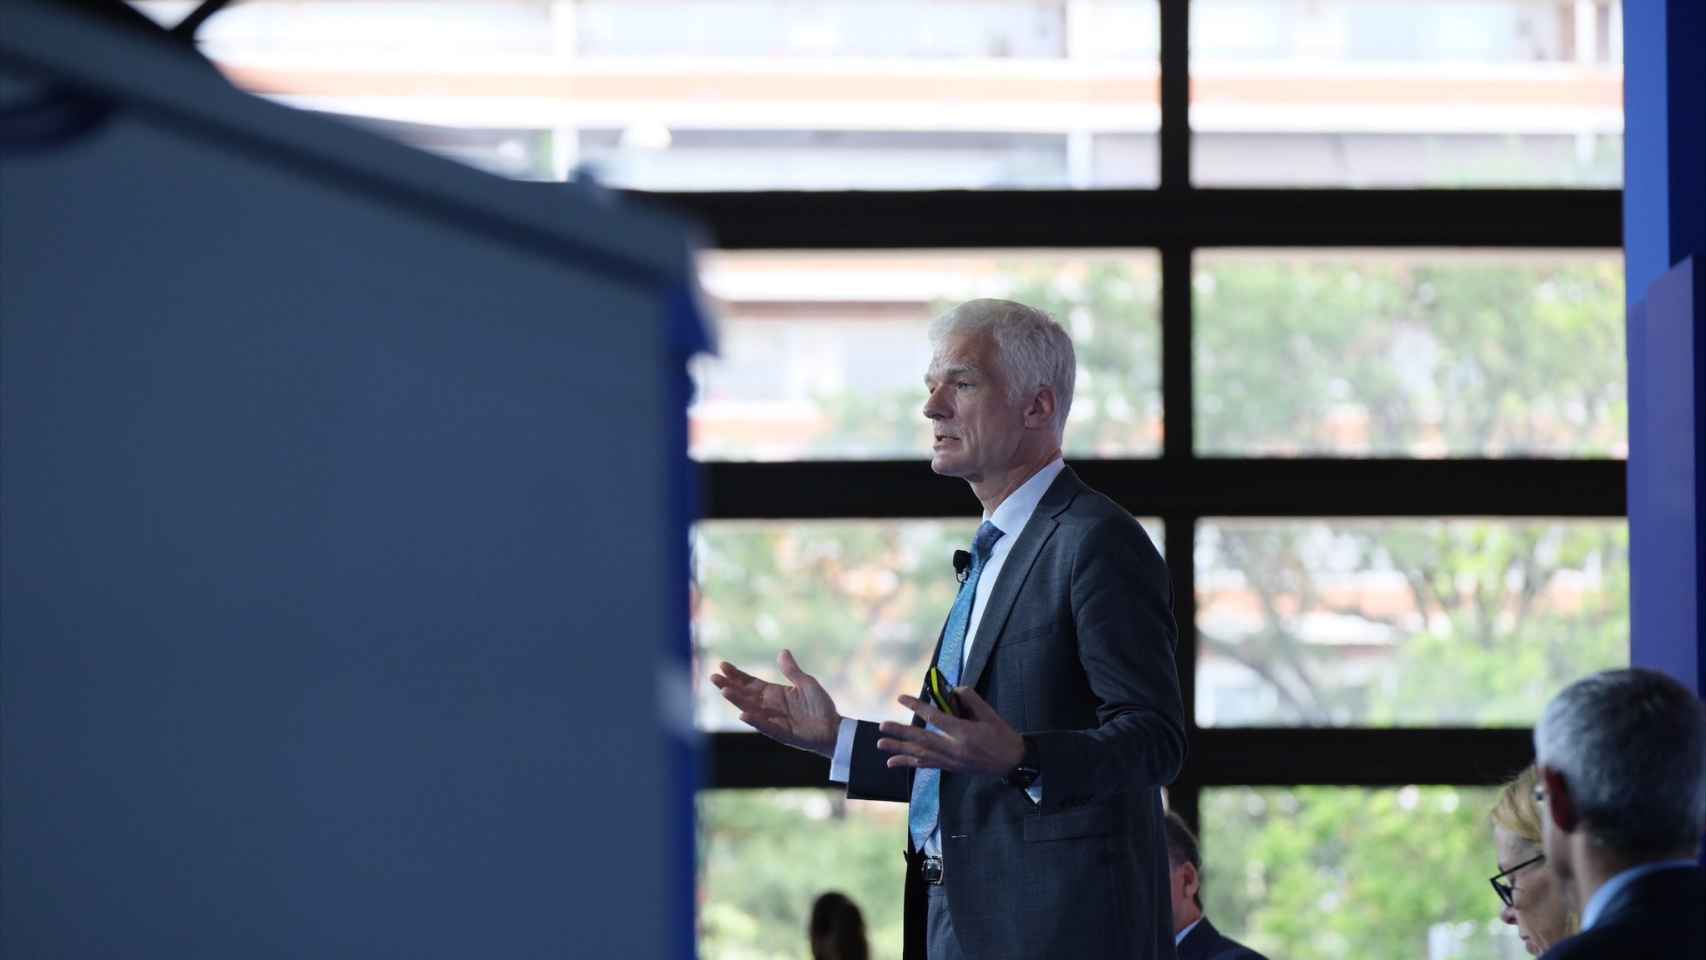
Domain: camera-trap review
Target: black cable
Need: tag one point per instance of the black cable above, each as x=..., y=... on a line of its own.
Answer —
x=187, y=27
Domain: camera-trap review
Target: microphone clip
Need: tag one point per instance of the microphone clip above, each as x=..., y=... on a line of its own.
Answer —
x=962, y=565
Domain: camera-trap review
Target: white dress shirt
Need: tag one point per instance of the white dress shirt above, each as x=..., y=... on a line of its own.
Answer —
x=1010, y=516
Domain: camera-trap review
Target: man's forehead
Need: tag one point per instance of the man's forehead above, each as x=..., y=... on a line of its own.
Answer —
x=944, y=364
x=958, y=353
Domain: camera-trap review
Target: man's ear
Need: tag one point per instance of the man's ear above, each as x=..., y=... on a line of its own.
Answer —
x=1040, y=411
x=1559, y=806
x=1190, y=878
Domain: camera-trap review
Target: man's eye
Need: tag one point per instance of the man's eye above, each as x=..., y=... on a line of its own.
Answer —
x=962, y=384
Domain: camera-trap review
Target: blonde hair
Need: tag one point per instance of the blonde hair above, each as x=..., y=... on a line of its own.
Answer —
x=1516, y=811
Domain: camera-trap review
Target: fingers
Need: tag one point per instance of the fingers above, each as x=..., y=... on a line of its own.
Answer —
x=911, y=746
x=745, y=691
x=729, y=673
x=917, y=741
x=975, y=706
x=981, y=743
x=791, y=669
x=930, y=714
x=905, y=732
x=734, y=678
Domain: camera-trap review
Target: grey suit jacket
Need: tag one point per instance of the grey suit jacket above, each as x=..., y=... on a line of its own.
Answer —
x=1075, y=648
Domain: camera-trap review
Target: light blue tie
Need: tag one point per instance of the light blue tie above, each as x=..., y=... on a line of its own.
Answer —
x=926, y=784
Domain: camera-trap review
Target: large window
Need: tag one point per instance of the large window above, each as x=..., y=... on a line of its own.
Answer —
x=726, y=94
x=1400, y=93
x=879, y=94
x=822, y=354
x=1345, y=284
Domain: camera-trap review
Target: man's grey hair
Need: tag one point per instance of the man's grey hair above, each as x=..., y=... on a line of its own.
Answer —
x=1034, y=350
x=1631, y=744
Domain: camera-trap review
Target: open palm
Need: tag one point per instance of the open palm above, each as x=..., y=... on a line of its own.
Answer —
x=800, y=714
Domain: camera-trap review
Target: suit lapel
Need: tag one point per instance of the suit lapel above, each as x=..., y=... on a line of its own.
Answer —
x=1017, y=569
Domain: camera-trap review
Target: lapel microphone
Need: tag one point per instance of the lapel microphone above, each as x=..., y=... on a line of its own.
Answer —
x=962, y=565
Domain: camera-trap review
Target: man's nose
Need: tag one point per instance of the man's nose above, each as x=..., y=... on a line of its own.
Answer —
x=1508, y=914
x=934, y=408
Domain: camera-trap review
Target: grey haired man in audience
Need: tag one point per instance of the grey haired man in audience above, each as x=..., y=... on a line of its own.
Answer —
x=1622, y=792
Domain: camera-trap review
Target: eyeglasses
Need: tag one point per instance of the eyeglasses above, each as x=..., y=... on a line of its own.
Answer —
x=1507, y=890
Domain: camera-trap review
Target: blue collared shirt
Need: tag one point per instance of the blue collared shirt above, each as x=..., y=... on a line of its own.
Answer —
x=1611, y=888
x=1179, y=937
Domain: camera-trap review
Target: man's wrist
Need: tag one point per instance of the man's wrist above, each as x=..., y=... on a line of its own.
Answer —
x=1029, y=767
x=841, y=760
x=826, y=748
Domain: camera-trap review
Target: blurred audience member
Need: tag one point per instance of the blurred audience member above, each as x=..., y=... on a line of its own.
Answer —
x=1193, y=935
x=1622, y=767
x=837, y=929
x=1535, y=903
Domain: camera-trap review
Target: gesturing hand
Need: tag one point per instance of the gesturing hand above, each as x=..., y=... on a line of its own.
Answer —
x=802, y=715
x=981, y=742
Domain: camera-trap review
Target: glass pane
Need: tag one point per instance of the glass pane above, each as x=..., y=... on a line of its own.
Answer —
x=1409, y=354
x=726, y=94
x=1404, y=622
x=1396, y=93
x=822, y=355
x=859, y=602
x=766, y=855
x=1324, y=873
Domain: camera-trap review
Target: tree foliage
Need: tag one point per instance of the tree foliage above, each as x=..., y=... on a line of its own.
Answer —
x=1322, y=873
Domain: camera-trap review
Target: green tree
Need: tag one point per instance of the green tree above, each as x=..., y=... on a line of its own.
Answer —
x=1321, y=873
x=1487, y=618
x=1399, y=358
x=765, y=855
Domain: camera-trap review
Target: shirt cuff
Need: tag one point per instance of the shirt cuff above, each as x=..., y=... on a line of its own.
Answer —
x=1035, y=791
x=841, y=764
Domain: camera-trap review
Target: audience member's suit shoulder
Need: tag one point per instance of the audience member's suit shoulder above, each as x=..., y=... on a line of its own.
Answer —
x=1660, y=915
x=1207, y=943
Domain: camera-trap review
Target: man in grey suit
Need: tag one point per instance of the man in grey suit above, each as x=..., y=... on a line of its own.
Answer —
x=1035, y=818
